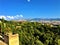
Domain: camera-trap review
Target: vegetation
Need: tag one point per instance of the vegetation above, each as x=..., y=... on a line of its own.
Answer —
x=33, y=33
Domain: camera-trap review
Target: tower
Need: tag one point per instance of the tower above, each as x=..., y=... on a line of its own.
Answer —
x=11, y=39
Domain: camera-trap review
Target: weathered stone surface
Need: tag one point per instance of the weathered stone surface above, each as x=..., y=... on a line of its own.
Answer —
x=2, y=43
x=11, y=39
x=14, y=39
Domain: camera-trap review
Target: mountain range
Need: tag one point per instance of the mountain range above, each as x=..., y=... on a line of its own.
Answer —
x=44, y=19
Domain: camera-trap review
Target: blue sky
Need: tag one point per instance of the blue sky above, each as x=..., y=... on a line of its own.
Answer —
x=30, y=8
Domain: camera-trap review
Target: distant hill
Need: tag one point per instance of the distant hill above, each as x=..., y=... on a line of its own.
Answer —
x=44, y=19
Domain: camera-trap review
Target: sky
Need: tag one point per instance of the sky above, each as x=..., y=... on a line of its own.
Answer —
x=11, y=9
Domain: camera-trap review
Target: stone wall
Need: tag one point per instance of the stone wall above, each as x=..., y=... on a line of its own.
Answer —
x=14, y=39
x=2, y=43
x=6, y=39
x=11, y=39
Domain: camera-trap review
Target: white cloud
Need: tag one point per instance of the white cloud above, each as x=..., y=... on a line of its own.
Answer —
x=17, y=15
x=21, y=15
x=28, y=0
x=11, y=17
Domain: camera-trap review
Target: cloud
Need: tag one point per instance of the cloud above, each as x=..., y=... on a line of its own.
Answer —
x=17, y=15
x=21, y=15
x=11, y=17
x=28, y=0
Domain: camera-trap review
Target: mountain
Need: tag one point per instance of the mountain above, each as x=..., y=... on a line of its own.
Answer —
x=44, y=19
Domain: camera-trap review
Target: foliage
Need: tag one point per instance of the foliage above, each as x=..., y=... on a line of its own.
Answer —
x=33, y=33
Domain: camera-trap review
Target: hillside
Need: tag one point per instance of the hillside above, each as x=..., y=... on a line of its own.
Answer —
x=33, y=33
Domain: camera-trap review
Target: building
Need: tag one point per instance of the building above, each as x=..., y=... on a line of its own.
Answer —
x=10, y=39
